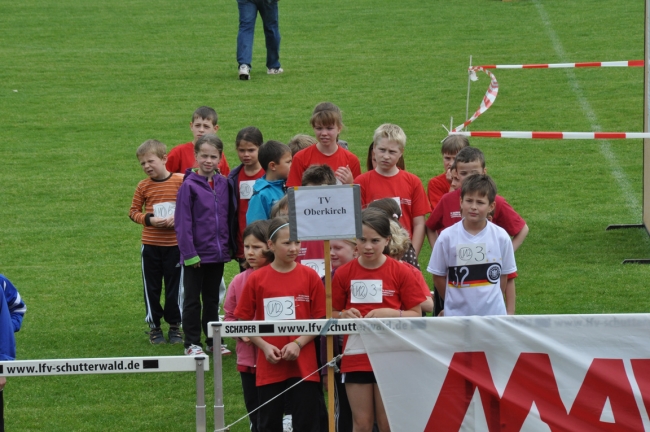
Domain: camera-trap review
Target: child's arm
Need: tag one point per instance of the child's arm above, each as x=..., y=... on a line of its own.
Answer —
x=344, y=175
x=15, y=303
x=291, y=351
x=417, y=238
x=510, y=294
x=440, y=282
x=272, y=353
x=519, y=238
x=414, y=312
x=183, y=227
x=432, y=235
x=146, y=219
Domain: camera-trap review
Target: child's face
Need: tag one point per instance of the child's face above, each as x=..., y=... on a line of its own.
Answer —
x=387, y=153
x=201, y=126
x=455, y=182
x=327, y=135
x=370, y=246
x=285, y=250
x=254, y=252
x=247, y=152
x=448, y=160
x=207, y=158
x=153, y=166
x=341, y=252
x=465, y=170
x=281, y=169
x=475, y=208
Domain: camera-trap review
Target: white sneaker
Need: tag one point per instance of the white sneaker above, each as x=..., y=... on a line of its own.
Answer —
x=274, y=71
x=244, y=72
x=194, y=350
x=225, y=350
x=287, y=423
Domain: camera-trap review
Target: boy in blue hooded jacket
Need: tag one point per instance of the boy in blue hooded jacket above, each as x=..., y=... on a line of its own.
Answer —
x=275, y=158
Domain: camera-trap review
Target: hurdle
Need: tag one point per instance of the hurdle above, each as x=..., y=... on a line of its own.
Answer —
x=117, y=365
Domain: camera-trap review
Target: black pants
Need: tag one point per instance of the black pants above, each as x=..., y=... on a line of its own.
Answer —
x=200, y=283
x=305, y=399
x=161, y=263
x=2, y=412
x=250, y=398
x=438, y=303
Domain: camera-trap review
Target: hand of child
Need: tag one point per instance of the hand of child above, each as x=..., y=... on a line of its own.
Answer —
x=272, y=353
x=381, y=313
x=170, y=222
x=158, y=222
x=290, y=351
x=442, y=313
x=344, y=175
x=351, y=313
x=3, y=381
x=246, y=340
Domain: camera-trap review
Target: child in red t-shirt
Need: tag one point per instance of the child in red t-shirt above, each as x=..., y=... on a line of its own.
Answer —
x=327, y=123
x=285, y=290
x=372, y=286
x=440, y=185
x=388, y=181
x=181, y=157
x=241, y=181
x=257, y=256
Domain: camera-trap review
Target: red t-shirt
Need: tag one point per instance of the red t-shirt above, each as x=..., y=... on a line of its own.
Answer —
x=182, y=157
x=437, y=187
x=303, y=285
x=447, y=213
x=245, y=192
x=403, y=185
x=312, y=156
x=399, y=290
x=419, y=277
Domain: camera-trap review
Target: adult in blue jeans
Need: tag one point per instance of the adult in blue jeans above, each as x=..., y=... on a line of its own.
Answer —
x=248, y=10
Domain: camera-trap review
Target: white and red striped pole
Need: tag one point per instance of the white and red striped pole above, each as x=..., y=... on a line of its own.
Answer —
x=554, y=135
x=626, y=63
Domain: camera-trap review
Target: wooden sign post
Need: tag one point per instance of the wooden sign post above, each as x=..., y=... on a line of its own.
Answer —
x=325, y=213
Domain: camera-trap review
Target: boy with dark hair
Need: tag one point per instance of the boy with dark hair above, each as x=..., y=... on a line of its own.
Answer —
x=472, y=259
x=12, y=311
x=471, y=160
x=318, y=175
x=275, y=159
x=440, y=185
x=181, y=157
x=153, y=207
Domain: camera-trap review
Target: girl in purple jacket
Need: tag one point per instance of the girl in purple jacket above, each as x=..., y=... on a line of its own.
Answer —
x=201, y=223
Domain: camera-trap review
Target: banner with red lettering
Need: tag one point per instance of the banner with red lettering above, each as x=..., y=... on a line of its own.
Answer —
x=512, y=373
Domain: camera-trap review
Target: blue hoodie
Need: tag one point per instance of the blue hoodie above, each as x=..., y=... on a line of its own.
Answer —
x=12, y=310
x=265, y=194
x=201, y=219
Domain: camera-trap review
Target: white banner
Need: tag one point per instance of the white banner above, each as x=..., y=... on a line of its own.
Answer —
x=519, y=373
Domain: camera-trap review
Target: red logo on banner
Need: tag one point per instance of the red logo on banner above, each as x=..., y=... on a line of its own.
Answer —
x=533, y=381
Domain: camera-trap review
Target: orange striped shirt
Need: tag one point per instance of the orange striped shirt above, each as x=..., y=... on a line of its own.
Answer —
x=156, y=197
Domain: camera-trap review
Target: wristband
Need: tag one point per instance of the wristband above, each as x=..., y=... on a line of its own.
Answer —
x=298, y=343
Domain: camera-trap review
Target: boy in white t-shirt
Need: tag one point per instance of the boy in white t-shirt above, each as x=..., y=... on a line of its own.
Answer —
x=471, y=260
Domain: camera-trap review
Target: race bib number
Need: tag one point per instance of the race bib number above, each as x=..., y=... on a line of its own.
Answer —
x=164, y=210
x=471, y=254
x=246, y=189
x=366, y=291
x=279, y=308
x=317, y=264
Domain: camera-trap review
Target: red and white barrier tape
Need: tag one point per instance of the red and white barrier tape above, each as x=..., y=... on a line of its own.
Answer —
x=627, y=63
x=488, y=99
x=554, y=135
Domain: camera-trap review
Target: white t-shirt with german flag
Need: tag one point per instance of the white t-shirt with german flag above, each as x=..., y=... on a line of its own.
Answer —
x=473, y=265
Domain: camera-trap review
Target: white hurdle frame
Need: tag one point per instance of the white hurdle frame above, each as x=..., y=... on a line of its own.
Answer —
x=117, y=365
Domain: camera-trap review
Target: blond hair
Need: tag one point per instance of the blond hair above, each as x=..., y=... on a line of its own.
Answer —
x=391, y=132
x=399, y=242
x=152, y=146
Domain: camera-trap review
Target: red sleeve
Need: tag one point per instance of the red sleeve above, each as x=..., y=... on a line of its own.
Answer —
x=295, y=173
x=362, y=186
x=436, y=189
x=339, y=292
x=408, y=296
x=246, y=305
x=419, y=204
x=506, y=217
x=224, y=169
x=317, y=295
x=174, y=160
x=355, y=166
x=434, y=223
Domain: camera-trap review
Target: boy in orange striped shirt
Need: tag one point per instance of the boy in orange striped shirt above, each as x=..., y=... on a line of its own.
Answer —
x=153, y=206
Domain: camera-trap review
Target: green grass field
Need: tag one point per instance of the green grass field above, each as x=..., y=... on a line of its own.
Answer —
x=82, y=84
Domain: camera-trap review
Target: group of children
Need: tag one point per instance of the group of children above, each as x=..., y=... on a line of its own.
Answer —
x=196, y=221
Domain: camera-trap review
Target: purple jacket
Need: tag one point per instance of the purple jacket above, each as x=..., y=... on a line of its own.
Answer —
x=201, y=219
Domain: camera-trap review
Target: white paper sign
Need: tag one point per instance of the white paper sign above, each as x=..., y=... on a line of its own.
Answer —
x=324, y=212
x=246, y=189
x=470, y=254
x=366, y=291
x=317, y=264
x=164, y=210
x=279, y=308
